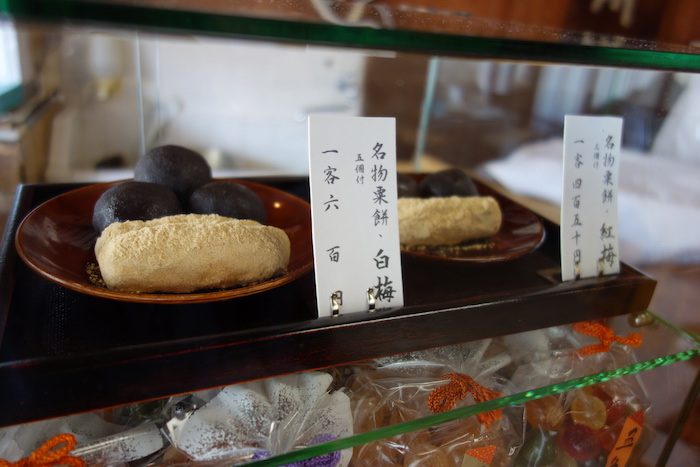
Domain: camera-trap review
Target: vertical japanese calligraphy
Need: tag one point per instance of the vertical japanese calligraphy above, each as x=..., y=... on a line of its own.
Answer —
x=359, y=170
x=352, y=173
x=589, y=245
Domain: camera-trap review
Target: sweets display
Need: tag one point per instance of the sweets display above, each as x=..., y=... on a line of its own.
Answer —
x=237, y=424
x=444, y=209
x=189, y=252
x=146, y=245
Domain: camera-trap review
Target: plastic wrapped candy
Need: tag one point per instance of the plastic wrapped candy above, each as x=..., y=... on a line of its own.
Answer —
x=587, y=426
x=414, y=385
x=597, y=422
x=257, y=420
x=97, y=440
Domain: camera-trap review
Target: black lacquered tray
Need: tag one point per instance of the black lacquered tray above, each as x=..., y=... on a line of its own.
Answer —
x=62, y=352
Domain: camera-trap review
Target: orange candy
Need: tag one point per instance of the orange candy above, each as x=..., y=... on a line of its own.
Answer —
x=589, y=411
x=546, y=413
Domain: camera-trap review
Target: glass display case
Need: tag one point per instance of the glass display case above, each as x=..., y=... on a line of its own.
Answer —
x=492, y=361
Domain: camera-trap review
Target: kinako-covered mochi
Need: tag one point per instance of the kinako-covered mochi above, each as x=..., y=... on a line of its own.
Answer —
x=447, y=221
x=189, y=252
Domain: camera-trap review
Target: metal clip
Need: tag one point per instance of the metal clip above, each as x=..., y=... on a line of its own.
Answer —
x=643, y=318
x=336, y=302
x=601, y=268
x=371, y=300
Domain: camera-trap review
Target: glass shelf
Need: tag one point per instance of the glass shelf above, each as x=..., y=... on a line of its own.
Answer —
x=685, y=346
x=376, y=26
x=521, y=370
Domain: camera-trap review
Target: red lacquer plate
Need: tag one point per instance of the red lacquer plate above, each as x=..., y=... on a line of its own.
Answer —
x=57, y=241
x=521, y=232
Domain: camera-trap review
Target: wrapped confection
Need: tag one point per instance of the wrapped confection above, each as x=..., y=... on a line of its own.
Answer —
x=583, y=426
x=257, y=420
x=411, y=386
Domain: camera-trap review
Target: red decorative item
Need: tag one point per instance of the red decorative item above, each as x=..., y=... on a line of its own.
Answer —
x=51, y=453
x=445, y=397
x=605, y=335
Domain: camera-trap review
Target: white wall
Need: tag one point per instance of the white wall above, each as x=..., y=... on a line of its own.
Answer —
x=249, y=100
x=245, y=101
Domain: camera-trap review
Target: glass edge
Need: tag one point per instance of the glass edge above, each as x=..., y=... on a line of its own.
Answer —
x=691, y=336
x=179, y=21
x=468, y=411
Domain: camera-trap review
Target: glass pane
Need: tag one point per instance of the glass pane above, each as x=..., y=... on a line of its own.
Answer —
x=108, y=95
x=374, y=400
x=525, y=378
x=560, y=34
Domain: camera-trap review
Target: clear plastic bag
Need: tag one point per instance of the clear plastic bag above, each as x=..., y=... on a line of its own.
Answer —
x=585, y=426
x=415, y=385
x=232, y=425
x=257, y=420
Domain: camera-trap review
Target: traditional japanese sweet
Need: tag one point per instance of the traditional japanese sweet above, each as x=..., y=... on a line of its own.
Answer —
x=256, y=420
x=180, y=169
x=588, y=410
x=406, y=387
x=586, y=426
x=579, y=442
x=406, y=186
x=221, y=244
x=546, y=413
x=447, y=221
x=450, y=182
x=134, y=201
x=228, y=199
x=448, y=212
x=189, y=252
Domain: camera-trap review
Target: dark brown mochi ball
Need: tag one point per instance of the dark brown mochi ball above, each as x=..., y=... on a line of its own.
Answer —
x=228, y=199
x=180, y=169
x=134, y=201
x=450, y=182
x=406, y=186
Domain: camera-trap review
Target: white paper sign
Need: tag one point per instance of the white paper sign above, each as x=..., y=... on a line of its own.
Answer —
x=589, y=233
x=352, y=172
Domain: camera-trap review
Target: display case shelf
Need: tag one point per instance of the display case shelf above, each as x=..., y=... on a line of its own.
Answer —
x=688, y=348
x=62, y=353
x=382, y=400
x=387, y=27
x=65, y=352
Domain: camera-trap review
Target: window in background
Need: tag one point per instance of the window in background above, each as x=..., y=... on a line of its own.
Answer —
x=10, y=71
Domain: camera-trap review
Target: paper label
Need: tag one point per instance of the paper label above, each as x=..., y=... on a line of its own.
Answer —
x=352, y=173
x=589, y=233
x=479, y=457
x=628, y=439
